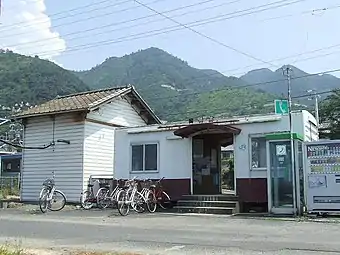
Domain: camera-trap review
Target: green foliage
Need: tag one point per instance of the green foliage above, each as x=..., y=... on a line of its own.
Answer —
x=6, y=250
x=274, y=82
x=330, y=114
x=229, y=102
x=34, y=80
x=228, y=173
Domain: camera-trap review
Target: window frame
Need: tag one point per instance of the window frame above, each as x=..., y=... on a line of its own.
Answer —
x=143, y=171
x=251, y=137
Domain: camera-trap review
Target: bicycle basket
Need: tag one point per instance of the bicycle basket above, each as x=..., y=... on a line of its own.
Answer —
x=48, y=183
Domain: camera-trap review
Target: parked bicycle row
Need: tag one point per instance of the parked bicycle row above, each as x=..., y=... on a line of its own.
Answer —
x=139, y=195
x=136, y=194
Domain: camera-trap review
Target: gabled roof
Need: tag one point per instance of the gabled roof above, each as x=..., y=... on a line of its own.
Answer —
x=87, y=101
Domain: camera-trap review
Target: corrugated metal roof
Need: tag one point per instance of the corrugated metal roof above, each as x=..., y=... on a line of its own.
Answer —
x=75, y=102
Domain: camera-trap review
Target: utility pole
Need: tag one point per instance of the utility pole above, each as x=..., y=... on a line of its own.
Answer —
x=287, y=72
x=316, y=98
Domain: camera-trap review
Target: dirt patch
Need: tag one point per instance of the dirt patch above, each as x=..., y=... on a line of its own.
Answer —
x=15, y=251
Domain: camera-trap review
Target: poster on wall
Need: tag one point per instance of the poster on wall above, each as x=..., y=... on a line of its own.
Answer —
x=324, y=158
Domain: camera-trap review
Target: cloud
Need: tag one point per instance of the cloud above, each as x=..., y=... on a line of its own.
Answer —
x=26, y=29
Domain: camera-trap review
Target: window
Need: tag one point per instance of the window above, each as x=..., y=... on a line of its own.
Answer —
x=144, y=157
x=11, y=165
x=258, y=152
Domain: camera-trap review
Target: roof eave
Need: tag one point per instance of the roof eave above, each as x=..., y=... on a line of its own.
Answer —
x=25, y=116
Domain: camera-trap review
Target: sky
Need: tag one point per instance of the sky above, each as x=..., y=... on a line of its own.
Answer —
x=230, y=36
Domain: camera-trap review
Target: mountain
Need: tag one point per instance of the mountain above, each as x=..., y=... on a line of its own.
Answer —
x=32, y=80
x=174, y=89
x=274, y=82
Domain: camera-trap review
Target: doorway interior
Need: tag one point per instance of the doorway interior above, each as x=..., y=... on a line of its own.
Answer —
x=212, y=172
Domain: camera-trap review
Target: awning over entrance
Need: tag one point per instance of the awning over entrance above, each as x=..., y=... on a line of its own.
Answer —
x=205, y=128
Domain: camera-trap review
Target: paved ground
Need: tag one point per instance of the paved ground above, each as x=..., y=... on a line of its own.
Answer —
x=166, y=233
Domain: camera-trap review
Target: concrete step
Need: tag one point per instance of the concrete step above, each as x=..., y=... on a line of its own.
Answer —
x=205, y=210
x=195, y=203
x=210, y=197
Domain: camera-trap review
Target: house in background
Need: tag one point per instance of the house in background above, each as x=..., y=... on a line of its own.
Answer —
x=88, y=121
x=227, y=152
x=11, y=164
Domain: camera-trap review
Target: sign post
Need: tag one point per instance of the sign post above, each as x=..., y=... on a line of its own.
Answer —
x=281, y=107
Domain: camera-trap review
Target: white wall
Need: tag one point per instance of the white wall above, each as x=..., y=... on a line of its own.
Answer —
x=118, y=112
x=310, y=131
x=243, y=157
x=175, y=158
x=65, y=160
x=98, y=151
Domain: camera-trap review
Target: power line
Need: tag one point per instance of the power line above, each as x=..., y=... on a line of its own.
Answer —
x=303, y=13
x=218, y=16
x=251, y=85
x=203, y=35
x=228, y=108
x=316, y=93
x=62, y=12
x=128, y=21
x=293, y=56
x=84, y=19
x=161, y=31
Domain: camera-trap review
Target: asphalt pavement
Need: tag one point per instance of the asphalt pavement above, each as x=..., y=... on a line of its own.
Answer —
x=162, y=233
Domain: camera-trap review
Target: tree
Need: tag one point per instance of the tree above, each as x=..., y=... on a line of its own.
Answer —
x=12, y=131
x=330, y=115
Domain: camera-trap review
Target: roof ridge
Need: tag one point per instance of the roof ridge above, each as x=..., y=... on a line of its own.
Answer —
x=93, y=91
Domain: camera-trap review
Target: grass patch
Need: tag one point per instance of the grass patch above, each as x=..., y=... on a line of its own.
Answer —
x=4, y=250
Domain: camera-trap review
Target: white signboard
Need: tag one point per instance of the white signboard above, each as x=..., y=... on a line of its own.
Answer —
x=281, y=150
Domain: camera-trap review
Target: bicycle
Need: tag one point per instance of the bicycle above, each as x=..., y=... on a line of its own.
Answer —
x=130, y=196
x=88, y=198
x=104, y=199
x=48, y=195
x=159, y=196
x=149, y=195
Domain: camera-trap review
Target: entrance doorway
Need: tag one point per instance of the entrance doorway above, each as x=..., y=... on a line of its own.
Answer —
x=206, y=165
x=207, y=139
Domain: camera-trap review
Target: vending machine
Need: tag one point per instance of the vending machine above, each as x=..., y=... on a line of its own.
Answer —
x=322, y=165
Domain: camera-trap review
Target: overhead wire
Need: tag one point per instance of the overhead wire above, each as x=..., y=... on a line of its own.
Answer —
x=204, y=35
x=250, y=85
x=214, y=109
x=43, y=21
x=126, y=21
x=303, y=13
x=156, y=32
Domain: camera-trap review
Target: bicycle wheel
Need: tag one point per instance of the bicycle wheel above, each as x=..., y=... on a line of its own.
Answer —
x=138, y=203
x=164, y=200
x=102, y=199
x=58, y=201
x=123, y=204
x=43, y=204
x=85, y=200
x=151, y=203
